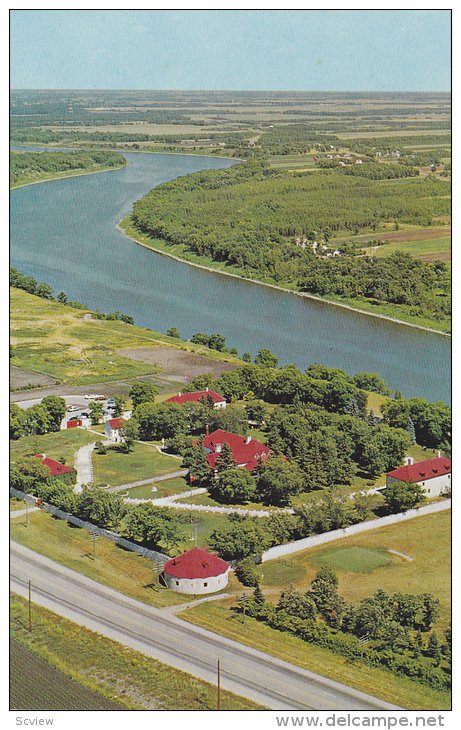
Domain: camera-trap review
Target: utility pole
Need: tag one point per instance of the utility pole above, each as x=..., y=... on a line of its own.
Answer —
x=93, y=535
x=27, y=515
x=30, y=607
x=219, y=685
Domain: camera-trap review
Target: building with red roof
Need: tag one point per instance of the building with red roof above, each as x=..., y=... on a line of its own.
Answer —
x=434, y=475
x=112, y=428
x=56, y=470
x=195, y=572
x=197, y=396
x=247, y=452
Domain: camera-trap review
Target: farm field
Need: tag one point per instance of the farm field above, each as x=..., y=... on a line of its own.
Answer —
x=37, y=685
x=124, y=678
x=432, y=249
x=403, y=692
x=64, y=343
x=116, y=467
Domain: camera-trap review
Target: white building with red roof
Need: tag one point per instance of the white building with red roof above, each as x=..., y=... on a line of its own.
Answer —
x=112, y=429
x=199, y=395
x=247, y=452
x=195, y=572
x=433, y=475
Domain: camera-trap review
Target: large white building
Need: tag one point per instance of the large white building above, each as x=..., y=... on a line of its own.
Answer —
x=433, y=475
x=195, y=572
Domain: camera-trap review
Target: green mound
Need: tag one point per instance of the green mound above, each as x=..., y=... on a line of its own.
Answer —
x=281, y=571
x=354, y=559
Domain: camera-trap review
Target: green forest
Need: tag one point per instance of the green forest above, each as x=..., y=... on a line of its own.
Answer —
x=33, y=166
x=248, y=218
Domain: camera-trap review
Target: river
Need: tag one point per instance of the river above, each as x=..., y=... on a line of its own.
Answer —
x=64, y=232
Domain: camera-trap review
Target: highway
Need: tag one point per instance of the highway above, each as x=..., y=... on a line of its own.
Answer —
x=273, y=683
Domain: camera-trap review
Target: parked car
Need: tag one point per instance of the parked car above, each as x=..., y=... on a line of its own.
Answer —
x=72, y=407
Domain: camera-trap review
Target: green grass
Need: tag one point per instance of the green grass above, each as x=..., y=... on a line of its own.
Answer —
x=38, y=177
x=116, y=467
x=55, y=445
x=379, y=683
x=429, y=570
x=200, y=523
x=355, y=559
x=79, y=350
x=428, y=249
x=162, y=489
x=70, y=546
x=94, y=663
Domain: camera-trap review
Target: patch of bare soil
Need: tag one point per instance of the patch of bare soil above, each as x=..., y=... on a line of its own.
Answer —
x=178, y=365
x=423, y=234
x=21, y=378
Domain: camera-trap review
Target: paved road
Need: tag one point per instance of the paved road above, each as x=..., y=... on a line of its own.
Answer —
x=269, y=681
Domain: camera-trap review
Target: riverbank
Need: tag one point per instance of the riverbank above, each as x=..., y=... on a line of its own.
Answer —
x=49, y=177
x=183, y=256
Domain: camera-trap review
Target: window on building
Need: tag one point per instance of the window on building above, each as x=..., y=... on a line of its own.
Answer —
x=177, y=582
x=205, y=585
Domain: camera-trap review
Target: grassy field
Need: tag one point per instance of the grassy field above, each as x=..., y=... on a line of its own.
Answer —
x=87, y=671
x=162, y=489
x=37, y=685
x=70, y=345
x=55, y=445
x=40, y=177
x=398, y=690
x=116, y=467
x=71, y=546
x=427, y=250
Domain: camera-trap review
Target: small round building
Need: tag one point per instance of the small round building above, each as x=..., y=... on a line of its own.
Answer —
x=196, y=572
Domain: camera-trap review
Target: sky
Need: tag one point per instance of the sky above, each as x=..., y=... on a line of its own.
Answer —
x=312, y=50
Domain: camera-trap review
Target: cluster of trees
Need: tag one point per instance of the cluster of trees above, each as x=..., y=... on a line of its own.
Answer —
x=379, y=171
x=45, y=291
x=24, y=165
x=252, y=227
x=430, y=422
x=44, y=417
x=153, y=527
x=295, y=139
x=398, y=628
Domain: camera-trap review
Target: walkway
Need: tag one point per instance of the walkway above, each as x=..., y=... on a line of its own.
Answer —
x=308, y=542
x=22, y=512
x=151, y=480
x=84, y=466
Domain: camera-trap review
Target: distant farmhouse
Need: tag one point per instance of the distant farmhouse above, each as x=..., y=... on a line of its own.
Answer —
x=247, y=452
x=433, y=475
x=199, y=395
x=56, y=470
x=112, y=429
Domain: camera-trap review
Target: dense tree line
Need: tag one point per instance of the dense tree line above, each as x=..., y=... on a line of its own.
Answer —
x=248, y=217
x=28, y=164
x=294, y=139
x=44, y=417
x=398, y=627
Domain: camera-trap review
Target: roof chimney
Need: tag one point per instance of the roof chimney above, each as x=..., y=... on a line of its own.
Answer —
x=248, y=439
x=409, y=460
x=206, y=390
x=218, y=448
x=207, y=429
x=439, y=454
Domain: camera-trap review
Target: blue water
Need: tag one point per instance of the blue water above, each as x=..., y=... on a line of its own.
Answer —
x=64, y=233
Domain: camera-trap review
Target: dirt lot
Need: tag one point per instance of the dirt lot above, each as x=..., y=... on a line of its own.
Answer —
x=178, y=365
x=423, y=234
x=20, y=378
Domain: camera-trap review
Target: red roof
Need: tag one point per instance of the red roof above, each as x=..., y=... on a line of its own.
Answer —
x=117, y=423
x=196, y=563
x=246, y=453
x=55, y=468
x=422, y=470
x=197, y=396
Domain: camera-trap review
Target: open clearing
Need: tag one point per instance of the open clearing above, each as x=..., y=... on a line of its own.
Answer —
x=116, y=467
x=180, y=365
x=61, y=444
x=36, y=685
x=353, y=559
x=21, y=378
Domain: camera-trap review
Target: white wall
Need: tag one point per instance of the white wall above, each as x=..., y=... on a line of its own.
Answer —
x=197, y=586
x=433, y=487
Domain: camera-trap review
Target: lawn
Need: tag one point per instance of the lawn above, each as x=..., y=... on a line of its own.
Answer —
x=429, y=250
x=200, y=524
x=162, y=489
x=115, y=467
x=98, y=671
x=57, y=445
x=428, y=571
x=71, y=546
x=218, y=617
x=68, y=344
